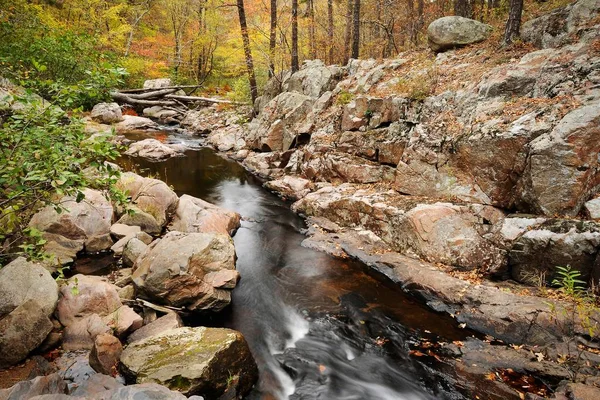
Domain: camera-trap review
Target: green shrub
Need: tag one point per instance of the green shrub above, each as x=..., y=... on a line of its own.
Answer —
x=44, y=155
x=344, y=98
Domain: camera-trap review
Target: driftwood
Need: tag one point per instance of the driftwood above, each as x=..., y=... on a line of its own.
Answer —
x=194, y=99
x=181, y=87
x=123, y=98
x=162, y=309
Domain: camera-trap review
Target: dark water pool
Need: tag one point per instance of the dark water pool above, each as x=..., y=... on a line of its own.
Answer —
x=319, y=327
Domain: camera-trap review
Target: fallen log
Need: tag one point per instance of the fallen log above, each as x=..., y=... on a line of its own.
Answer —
x=142, y=90
x=123, y=98
x=151, y=95
x=192, y=99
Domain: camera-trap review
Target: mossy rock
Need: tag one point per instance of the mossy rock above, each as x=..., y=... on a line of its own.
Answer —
x=194, y=361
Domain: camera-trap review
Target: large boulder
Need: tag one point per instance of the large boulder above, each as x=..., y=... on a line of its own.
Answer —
x=290, y=187
x=196, y=215
x=450, y=32
x=154, y=202
x=194, y=361
x=173, y=268
x=274, y=129
x=80, y=225
x=314, y=78
x=157, y=83
x=81, y=332
x=21, y=281
x=21, y=331
x=133, y=123
x=107, y=113
x=557, y=27
x=563, y=169
x=537, y=254
x=154, y=150
x=42, y=385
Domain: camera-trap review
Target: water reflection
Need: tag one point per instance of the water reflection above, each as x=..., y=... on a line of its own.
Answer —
x=320, y=328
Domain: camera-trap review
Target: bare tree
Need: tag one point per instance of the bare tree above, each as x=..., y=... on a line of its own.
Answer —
x=348, y=35
x=295, y=65
x=140, y=12
x=356, y=29
x=247, y=51
x=330, y=30
x=513, y=25
x=463, y=8
x=272, y=38
x=310, y=11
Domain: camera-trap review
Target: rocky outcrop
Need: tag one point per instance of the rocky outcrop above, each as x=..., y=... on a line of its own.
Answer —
x=173, y=269
x=154, y=150
x=196, y=215
x=81, y=225
x=290, y=187
x=559, y=26
x=107, y=113
x=153, y=202
x=450, y=32
x=202, y=361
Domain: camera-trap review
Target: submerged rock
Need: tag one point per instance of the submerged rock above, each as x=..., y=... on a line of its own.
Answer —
x=173, y=268
x=202, y=361
x=454, y=31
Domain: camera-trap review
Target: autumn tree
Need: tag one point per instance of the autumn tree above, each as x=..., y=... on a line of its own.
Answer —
x=513, y=25
x=247, y=50
x=295, y=64
x=272, y=38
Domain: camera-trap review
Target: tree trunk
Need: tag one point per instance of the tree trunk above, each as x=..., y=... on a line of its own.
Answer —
x=513, y=25
x=348, y=35
x=272, y=38
x=463, y=8
x=295, y=65
x=247, y=51
x=330, y=30
x=356, y=29
x=311, y=29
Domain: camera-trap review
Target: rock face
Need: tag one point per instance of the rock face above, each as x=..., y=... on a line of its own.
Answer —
x=196, y=215
x=291, y=187
x=536, y=254
x=554, y=29
x=449, y=32
x=154, y=202
x=21, y=331
x=203, y=361
x=21, y=281
x=107, y=113
x=153, y=150
x=172, y=270
x=81, y=225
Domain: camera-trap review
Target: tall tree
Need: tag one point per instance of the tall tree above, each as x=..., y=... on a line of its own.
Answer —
x=463, y=8
x=513, y=25
x=295, y=65
x=247, y=51
x=348, y=35
x=330, y=31
x=356, y=29
x=272, y=38
x=311, y=29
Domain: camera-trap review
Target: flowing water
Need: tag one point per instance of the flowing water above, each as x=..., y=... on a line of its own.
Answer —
x=319, y=327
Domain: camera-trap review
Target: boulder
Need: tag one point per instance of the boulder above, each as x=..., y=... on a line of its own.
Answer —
x=162, y=324
x=336, y=167
x=96, y=385
x=152, y=197
x=133, y=123
x=21, y=331
x=42, y=385
x=107, y=113
x=81, y=332
x=80, y=225
x=142, y=392
x=157, y=83
x=172, y=270
x=290, y=187
x=123, y=321
x=21, y=281
x=274, y=129
x=153, y=150
x=196, y=215
x=194, y=361
x=450, y=32
x=537, y=253
x=119, y=231
x=85, y=295
x=563, y=169
x=228, y=138
x=134, y=248
x=127, y=292
x=105, y=354
x=314, y=78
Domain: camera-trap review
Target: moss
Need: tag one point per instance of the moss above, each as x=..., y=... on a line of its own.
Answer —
x=344, y=98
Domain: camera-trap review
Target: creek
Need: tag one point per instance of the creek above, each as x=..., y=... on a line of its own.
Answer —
x=318, y=327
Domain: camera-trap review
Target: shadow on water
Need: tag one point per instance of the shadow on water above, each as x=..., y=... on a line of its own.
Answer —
x=319, y=327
